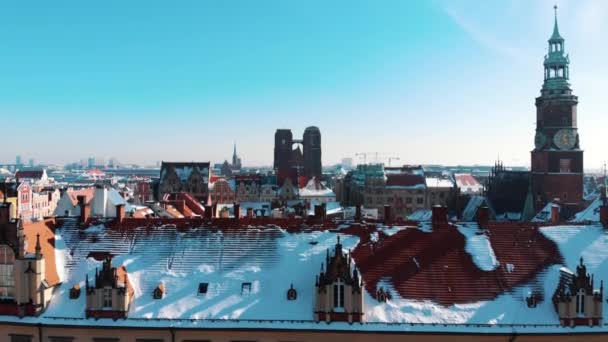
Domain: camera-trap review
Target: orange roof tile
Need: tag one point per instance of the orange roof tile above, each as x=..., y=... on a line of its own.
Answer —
x=46, y=229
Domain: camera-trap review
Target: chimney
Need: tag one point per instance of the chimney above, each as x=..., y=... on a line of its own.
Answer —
x=483, y=216
x=85, y=209
x=5, y=212
x=237, y=210
x=604, y=215
x=324, y=211
x=318, y=210
x=387, y=214
x=440, y=215
x=358, y=212
x=120, y=212
x=555, y=214
x=249, y=213
x=208, y=213
x=214, y=210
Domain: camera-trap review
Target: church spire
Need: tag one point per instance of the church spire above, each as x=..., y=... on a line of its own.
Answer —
x=556, y=64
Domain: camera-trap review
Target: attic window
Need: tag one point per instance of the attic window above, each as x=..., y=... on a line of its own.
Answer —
x=245, y=288
x=202, y=288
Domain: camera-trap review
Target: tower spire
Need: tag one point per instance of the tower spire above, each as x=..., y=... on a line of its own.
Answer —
x=555, y=36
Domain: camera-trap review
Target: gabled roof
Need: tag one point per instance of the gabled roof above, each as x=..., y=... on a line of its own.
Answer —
x=87, y=193
x=29, y=174
x=46, y=230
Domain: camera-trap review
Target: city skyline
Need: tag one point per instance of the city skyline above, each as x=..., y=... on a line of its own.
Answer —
x=431, y=83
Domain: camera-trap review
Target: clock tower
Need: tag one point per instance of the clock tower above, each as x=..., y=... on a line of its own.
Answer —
x=557, y=160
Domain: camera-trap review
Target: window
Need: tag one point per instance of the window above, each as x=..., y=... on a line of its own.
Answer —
x=339, y=294
x=107, y=298
x=60, y=339
x=580, y=302
x=420, y=200
x=564, y=165
x=7, y=274
x=20, y=338
x=408, y=200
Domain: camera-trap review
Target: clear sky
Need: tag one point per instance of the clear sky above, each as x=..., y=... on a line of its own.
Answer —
x=448, y=82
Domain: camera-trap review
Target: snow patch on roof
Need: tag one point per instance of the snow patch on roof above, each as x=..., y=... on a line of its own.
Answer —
x=479, y=247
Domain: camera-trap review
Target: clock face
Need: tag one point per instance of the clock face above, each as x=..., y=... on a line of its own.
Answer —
x=565, y=139
x=540, y=140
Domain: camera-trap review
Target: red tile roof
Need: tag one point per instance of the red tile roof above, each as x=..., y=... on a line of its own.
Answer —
x=466, y=179
x=87, y=193
x=435, y=266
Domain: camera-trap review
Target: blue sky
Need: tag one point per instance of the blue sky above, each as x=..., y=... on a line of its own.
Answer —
x=448, y=82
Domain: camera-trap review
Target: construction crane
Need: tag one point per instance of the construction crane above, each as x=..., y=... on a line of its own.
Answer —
x=365, y=154
x=390, y=159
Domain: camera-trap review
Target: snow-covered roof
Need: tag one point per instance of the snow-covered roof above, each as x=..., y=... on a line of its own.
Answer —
x=434, y=182
x=465, y=264
x=315, y=188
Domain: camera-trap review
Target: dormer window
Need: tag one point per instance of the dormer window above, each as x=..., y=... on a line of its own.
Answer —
x=202, y=288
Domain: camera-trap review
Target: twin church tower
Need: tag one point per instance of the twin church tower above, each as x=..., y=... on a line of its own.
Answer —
x=557, y=160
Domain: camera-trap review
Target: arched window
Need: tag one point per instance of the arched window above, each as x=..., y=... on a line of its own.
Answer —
x=7, y=274
x=339, y=295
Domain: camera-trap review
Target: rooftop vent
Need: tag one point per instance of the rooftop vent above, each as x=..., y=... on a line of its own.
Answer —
x=202, y=288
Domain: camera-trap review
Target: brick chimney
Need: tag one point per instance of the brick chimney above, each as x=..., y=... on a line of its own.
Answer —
x=604, y=208
x=208, y=212
x=440, y=215
x=483, y=216
x=555, y=218
x=85, y=209
x=388, y=218
x=358, y=212
x=237, y=211
x=5, y=212
x=120, y=212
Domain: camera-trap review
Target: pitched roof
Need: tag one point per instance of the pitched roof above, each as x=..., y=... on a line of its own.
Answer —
x=404, y=179
x=46, y=229
x=87, y=193
x=466, y=180
x=33, y=174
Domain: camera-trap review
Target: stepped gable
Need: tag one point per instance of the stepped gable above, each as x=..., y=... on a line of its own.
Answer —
x=435, y=265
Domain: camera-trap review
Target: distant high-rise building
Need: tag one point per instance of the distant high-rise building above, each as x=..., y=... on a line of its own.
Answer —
x=31, y=162
x=91, y=164
x=18, y=161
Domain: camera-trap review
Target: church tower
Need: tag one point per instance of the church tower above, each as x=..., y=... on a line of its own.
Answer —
x=557, y=160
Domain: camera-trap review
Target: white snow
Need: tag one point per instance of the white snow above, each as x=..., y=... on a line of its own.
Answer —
x=479, y=247
x=591, y=213
x=271, y=260
x=421, y=215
